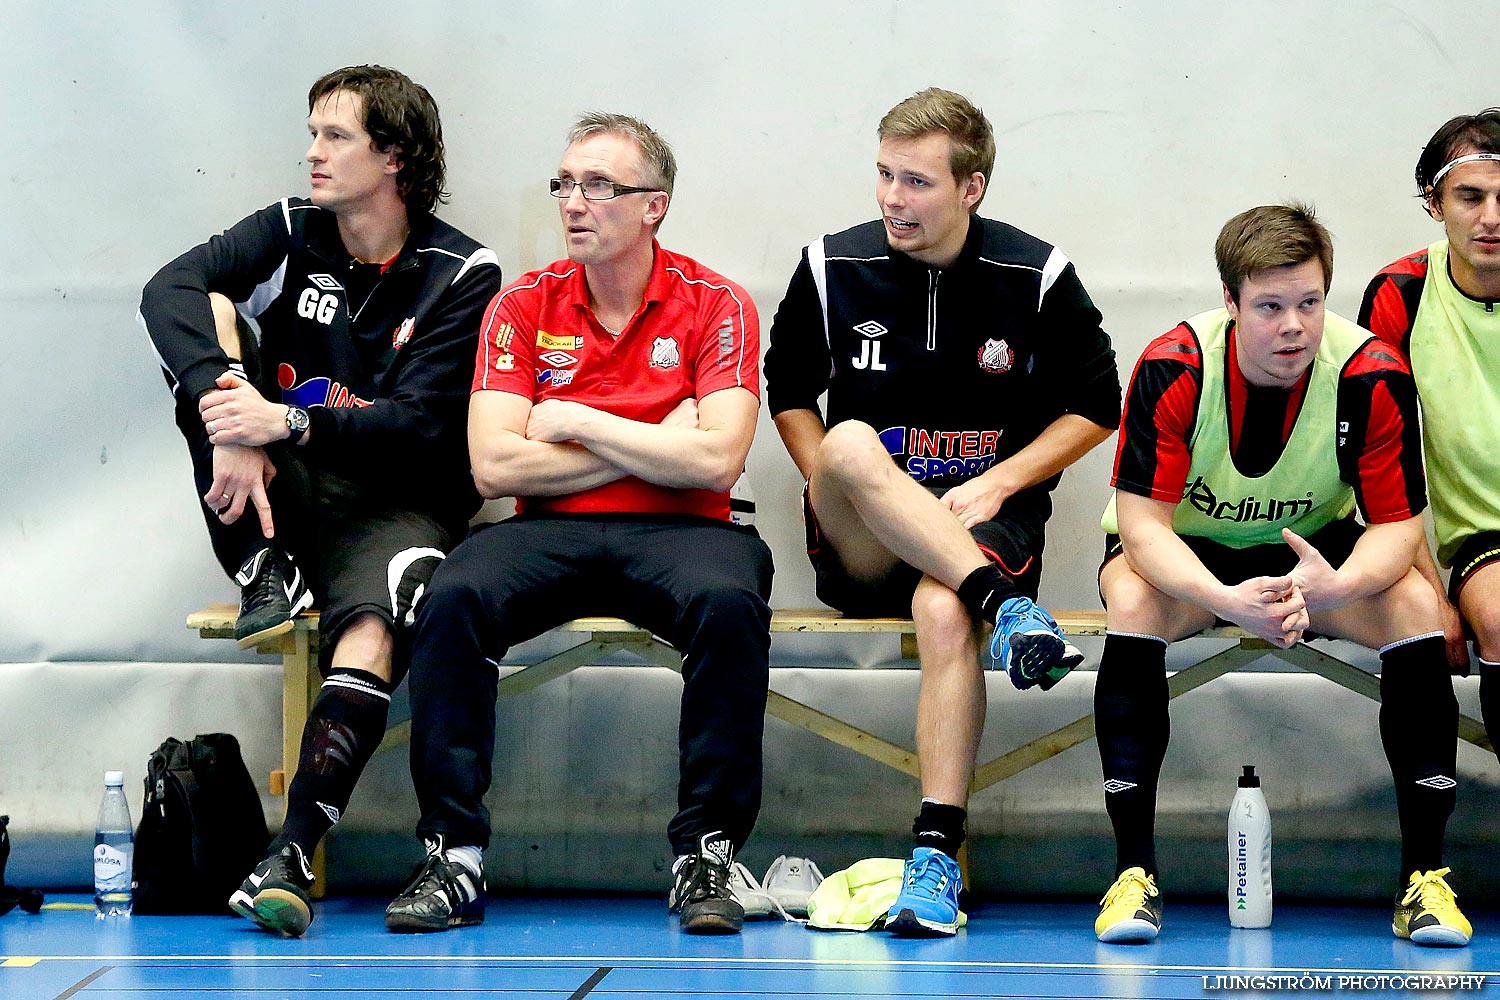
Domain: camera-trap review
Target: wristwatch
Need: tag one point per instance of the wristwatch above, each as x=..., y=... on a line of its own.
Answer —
x=297, y=423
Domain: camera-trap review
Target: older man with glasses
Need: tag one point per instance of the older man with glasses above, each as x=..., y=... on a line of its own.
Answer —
x=615, y=395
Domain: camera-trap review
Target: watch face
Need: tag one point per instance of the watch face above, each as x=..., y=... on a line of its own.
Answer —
x=297, y=419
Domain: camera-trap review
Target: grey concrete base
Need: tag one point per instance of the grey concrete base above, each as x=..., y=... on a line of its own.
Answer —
x=585, y=780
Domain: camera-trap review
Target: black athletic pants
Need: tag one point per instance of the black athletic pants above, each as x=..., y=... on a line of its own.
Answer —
x=701, y=585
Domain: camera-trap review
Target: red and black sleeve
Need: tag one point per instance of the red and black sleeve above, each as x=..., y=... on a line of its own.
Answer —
x=1379, y=441
x=1390, y=304
x=1161, y=407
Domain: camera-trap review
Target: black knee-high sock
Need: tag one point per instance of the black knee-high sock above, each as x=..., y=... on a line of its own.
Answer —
x=1489, y=700
x=984, y=590
x=941, y=826
x=1419, y=729
x=1132, y=724
x=343, y=730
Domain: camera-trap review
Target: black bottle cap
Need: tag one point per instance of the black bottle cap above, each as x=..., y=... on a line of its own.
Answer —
x=1249, y=779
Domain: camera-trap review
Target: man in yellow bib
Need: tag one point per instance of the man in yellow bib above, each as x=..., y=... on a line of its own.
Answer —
x=1439, y=306
x=1250, y=436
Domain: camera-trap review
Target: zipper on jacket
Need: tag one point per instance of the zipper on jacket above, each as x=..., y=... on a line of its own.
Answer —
x=932, y=283
x=349, y=306
x=349, y=303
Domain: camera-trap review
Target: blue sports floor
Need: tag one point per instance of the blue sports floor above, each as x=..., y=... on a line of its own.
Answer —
x=630, y=948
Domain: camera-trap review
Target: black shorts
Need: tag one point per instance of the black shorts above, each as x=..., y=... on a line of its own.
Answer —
x=1476, y=552
x=1231, y=566
x=1012, y=541
x=361, y=556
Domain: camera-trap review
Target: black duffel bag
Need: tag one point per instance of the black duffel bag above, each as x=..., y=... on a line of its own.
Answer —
x=201, y=831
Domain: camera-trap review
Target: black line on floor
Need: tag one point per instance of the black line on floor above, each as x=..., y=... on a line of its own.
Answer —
x=82, y=983
x=588, y=987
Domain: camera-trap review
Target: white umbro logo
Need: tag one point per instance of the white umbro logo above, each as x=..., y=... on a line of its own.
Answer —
x=327, y=282
x=870, y=328
x=1116, y=785
x=1439, y=781
x=557, y=359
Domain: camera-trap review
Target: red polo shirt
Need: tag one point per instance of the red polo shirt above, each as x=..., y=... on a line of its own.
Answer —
x=696, y=332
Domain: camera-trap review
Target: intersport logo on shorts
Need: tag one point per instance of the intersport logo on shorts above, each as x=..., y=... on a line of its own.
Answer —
x=1250, y=508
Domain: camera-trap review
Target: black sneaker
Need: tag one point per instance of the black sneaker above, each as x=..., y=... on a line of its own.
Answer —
x=442, y=894
x=275, y=895
x=272, y=593
x=701, y=892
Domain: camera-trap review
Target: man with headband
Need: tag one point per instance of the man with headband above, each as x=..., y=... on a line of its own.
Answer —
x=1251, y=435
x=1441, y=306
x=965, y=369
x=350, y=392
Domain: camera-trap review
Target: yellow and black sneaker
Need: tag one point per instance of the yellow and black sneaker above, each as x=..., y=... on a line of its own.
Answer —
x=1428, y=913
x=1130, y=911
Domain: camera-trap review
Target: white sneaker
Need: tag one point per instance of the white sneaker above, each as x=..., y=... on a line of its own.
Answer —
x=790, y=880
x=756, y=902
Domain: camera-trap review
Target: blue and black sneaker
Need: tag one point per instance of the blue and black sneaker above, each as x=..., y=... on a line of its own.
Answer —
x=1028, y=645
x=928, y=904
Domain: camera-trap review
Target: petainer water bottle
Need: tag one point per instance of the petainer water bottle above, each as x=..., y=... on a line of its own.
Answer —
x=1249, y=855
x=114, y=851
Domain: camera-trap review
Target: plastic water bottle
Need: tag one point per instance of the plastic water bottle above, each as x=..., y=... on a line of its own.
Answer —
x=1249, y=855
x=114, y=851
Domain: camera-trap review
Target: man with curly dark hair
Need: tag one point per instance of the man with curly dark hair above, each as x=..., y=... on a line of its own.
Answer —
x=337, y=420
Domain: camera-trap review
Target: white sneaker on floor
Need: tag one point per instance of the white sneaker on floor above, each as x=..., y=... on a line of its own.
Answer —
x=756, y=902
x=790, y=880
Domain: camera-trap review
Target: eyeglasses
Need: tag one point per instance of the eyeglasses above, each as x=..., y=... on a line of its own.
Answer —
x=594, y=189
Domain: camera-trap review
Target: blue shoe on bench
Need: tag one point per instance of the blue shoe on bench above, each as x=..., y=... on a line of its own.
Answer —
x=1028, y=645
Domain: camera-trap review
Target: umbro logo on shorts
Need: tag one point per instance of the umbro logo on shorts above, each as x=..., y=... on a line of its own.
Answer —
x=1439, y=781
x=1116, y=785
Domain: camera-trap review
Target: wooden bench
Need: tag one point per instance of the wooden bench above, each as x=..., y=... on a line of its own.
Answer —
x=602, y=637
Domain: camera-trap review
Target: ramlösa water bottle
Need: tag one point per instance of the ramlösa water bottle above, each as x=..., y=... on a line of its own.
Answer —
x=114, y=851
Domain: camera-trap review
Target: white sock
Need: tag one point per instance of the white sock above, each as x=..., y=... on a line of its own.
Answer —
x=472, y=858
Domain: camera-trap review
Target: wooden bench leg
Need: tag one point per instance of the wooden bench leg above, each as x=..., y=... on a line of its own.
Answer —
x=299, y=688
x=1048, y=746
x=539, y=673
x=296, y=702
x=1363, y=682
x=803, y=716
x=842, y=733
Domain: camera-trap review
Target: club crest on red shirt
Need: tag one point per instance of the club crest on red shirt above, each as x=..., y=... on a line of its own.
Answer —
x=664, y=353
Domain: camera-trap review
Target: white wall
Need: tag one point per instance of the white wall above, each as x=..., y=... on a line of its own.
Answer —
x=1127, y=134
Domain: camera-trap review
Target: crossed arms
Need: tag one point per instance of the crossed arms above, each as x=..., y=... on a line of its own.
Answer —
x=557, y=447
